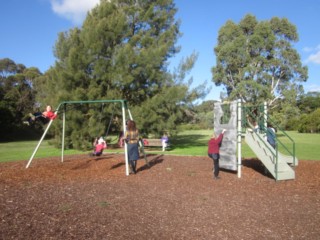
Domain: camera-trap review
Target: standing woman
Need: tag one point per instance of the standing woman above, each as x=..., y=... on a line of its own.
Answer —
x=132, y=139
x=214, y=153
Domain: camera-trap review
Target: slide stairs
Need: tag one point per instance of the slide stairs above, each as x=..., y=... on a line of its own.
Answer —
x=268, y=156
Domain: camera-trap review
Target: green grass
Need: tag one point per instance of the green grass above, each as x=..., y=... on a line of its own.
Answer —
x=192, y=143
x=307, y=145
x=22, y=150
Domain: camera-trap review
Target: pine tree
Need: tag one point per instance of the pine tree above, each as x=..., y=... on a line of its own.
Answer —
x=121, y=52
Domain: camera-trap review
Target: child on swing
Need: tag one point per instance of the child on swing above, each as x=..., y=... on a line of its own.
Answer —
x=99, y=145
x=43, y=117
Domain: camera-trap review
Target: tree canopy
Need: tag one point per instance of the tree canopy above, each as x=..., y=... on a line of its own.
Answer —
x=122, y=51
x=16, y=94
x=256, y=61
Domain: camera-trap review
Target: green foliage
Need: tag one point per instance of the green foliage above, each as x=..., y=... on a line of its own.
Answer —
x=161, y=113
x=16, y=95
x=310, y=123
x=292, y=124
x=187, y=127
x=205, y=106
x=309, y=102
x=256, y=61
x=204, y=114
x=121, y=52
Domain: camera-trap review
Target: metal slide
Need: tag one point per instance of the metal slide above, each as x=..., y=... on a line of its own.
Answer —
x=279, y=165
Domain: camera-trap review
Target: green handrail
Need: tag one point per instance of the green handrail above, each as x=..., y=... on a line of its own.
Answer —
x=292, y=142
x=258, y=115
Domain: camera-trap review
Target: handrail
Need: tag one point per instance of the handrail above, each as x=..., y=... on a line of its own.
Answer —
x=291, y=153
x=261, y=118
x=274, y=155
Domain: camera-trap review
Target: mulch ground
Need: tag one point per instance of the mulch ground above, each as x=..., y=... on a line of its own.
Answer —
x=175, y=198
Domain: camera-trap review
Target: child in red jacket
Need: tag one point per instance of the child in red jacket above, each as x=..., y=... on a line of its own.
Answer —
x=213, y=152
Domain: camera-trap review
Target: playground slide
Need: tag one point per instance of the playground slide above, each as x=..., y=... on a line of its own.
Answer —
x=268, y=156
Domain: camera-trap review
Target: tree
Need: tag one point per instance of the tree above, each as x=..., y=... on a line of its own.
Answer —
x=122, y=52
x=256, y=61
x=16, y=94
x=310, y=123
x=204, y=114
x=309, y=102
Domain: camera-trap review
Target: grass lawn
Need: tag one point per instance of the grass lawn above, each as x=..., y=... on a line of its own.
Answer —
x=22, y=150
x=307, y=145
x=193, y=143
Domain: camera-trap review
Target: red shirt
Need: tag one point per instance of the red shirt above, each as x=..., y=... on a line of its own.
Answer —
x=214, y=144
x=50, y=115
x=100, y=147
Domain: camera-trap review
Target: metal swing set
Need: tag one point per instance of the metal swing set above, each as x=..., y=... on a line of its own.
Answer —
x=62, y=108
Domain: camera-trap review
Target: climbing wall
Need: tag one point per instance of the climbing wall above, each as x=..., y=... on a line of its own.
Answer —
x=225, y=117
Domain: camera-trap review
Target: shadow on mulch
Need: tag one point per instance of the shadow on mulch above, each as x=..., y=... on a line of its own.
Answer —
x=151, y=163
x=83, y=165
x=257, y=166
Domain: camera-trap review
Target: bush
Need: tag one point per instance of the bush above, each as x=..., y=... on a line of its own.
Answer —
x=184, y=127
x=292, y=124
x=310, y=123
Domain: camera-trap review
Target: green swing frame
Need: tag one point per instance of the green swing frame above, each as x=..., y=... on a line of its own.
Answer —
x=63, y=106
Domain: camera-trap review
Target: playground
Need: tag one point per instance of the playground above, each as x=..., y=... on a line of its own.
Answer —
x=174, y=198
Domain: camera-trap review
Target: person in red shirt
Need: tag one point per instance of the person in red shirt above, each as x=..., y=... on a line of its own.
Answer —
x=43, y=117
x=213, y=152
x=49, y=114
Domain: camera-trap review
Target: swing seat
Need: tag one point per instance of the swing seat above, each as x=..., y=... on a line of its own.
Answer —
x=96, y=154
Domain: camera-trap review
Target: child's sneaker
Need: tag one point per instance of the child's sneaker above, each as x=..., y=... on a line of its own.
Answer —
x=26, y=123
x=33, y=117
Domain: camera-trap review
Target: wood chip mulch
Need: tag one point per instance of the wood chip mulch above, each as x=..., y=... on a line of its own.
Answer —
x=175, y=198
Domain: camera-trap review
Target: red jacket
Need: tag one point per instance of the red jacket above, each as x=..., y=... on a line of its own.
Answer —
x=50, y=115
x=99, y=147
x=214, y=144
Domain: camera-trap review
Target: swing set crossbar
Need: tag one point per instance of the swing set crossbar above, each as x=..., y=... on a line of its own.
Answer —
x=123, y=102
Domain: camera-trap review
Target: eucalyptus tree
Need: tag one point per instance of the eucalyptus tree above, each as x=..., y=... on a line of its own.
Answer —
x=256, y=61
x=17, y=97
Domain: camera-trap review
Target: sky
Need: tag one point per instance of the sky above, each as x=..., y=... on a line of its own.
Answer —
x=30, y=28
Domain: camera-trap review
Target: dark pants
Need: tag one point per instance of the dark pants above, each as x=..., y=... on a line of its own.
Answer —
x=43, y=120
x=133, y=155
x=216, y=168
x=38, y=117
x=133, y=165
